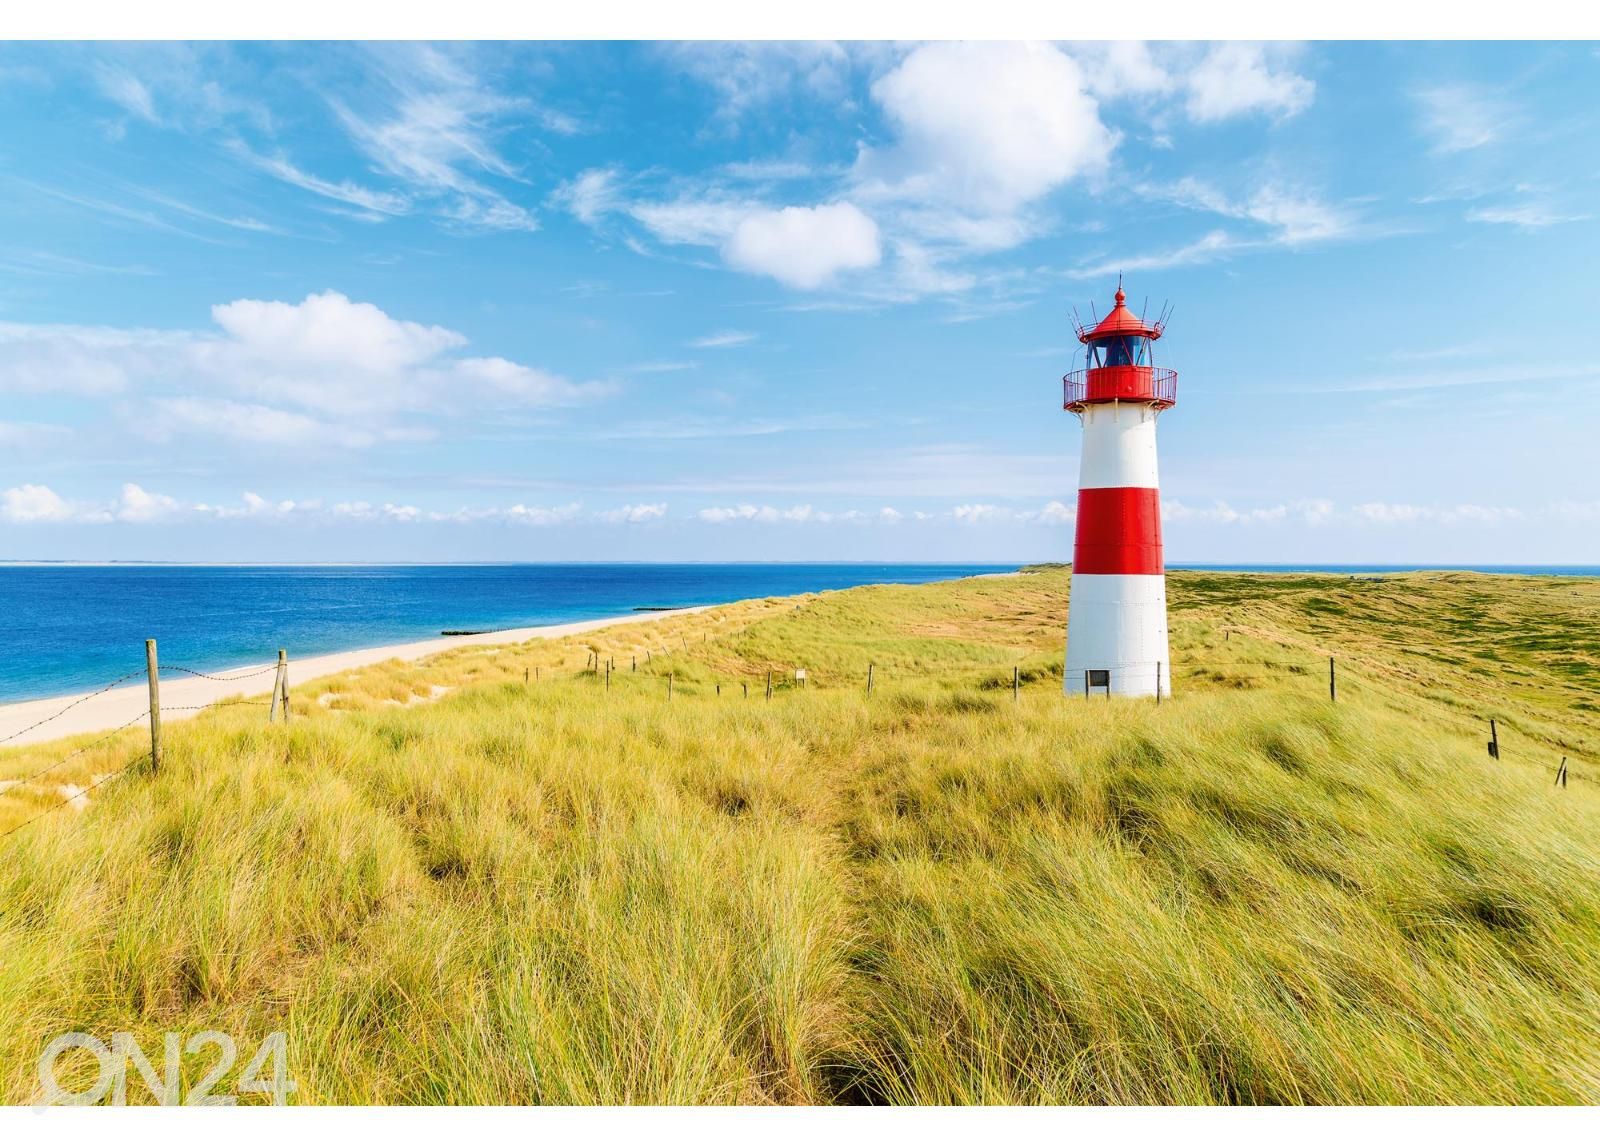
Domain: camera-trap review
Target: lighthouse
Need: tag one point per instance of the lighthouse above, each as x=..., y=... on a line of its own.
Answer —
x=1117, y=615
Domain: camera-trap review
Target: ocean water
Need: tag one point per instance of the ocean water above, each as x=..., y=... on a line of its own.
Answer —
x=70, y=628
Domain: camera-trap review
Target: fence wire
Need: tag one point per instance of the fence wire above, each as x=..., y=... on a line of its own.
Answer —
x=224, y=679
x=81, y=699
x=67, y=802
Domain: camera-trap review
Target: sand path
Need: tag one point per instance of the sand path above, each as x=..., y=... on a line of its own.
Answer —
x=107, y=710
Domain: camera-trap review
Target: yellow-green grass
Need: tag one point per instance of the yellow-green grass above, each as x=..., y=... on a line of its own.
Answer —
x=560, y=892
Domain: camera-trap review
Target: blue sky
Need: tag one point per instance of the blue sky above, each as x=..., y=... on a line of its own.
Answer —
x=790, y=301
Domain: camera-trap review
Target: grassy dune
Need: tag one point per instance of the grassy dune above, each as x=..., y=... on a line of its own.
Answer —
x=559, y=892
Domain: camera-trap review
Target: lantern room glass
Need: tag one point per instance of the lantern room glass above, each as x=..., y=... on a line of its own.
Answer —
x=1123, y=350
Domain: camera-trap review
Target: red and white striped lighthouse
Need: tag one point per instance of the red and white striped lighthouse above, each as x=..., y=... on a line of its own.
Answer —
x=1117, y=615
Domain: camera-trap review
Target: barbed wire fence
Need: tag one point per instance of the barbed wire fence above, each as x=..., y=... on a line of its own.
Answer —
x=151, y=713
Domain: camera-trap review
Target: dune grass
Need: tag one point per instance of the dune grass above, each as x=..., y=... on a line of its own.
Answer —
x=446, y=885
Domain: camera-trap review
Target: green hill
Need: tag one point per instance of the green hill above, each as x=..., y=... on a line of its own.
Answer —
x=561, y=891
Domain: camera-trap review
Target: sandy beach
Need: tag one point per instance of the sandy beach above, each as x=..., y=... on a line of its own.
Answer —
x=106, y=710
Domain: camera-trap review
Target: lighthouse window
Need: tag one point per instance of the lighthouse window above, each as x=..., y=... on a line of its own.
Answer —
x=1120, y=352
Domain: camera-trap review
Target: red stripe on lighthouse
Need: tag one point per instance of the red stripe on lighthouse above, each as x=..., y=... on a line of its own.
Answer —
x=1119, y=532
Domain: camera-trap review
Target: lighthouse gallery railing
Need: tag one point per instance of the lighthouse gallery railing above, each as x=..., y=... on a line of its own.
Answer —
x=1120, y=383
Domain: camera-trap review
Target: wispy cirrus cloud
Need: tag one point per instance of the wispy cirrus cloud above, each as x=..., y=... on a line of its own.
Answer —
x=1460, y=117
x=723, y=339
x=1524, y=216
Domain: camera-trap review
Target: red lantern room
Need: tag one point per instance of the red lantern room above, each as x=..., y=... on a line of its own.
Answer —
x=1120, y=363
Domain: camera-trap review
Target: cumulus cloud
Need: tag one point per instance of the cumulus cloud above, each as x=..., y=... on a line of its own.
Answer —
x=1384, y=513
x=1308, y=511
x=1052, y=513
x=29, y=503
x=795, y=514
x=988, y=126
x=634, y=514
x=982, y=131
x=326, y=371
x=804, y=247
x=136, y=504
x=1120, y=68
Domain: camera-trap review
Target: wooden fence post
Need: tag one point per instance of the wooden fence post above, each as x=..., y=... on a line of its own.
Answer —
x=1561, y=772
x=1494, y=741
x=1333, y=688
x=283, y=682
x=1086, y=683
x=746, y=687
x=155, y=704
x=869, y=679
x=1016, y=684
x=608, y=675
x=769, y=683
x=669, y=685
x=1158, y=683
x=277, y=689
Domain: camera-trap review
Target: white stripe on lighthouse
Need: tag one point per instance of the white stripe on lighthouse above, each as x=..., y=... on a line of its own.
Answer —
x=1119, y=447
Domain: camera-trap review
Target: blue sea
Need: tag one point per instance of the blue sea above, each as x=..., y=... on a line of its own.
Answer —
x=70, y=628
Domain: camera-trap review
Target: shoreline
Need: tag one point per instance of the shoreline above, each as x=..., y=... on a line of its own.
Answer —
x=103, y=711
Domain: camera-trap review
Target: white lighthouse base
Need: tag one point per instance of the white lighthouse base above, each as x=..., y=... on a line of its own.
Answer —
x=1118, y=625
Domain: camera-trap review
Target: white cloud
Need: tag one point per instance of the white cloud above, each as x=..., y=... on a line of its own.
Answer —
x=1382, y=513
x=136, y=504
x=1461, y=117
x=329, y=330
x=127, y=91
x=1121, y=68
x=375, y=204
x=985, y=128
x=1053, y=513
x=591, y=196
x=804, y=247
x=1292, y=216
x=702, y=221
x=768, y=514
x=1313, y=511
x=1243, y=78
x=1212, y=245
x=724, y=339
x=220, y=419
x=747, y=75
x=634, y=514
x=30, y=503
x=346, y=368
x=441, y=126
x=1527, y=216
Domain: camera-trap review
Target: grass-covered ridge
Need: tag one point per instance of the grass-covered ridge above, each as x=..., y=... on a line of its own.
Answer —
x=559, y=893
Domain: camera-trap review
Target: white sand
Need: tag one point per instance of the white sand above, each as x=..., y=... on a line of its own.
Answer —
x=116, y=707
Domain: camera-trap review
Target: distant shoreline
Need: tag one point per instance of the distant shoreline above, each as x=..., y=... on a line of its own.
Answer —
x=102, y=711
